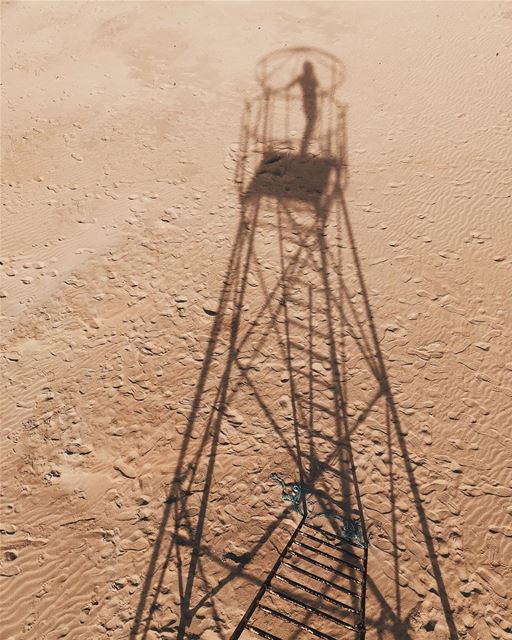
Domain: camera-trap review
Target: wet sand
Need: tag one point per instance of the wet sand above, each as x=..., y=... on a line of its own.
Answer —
x=176, y=327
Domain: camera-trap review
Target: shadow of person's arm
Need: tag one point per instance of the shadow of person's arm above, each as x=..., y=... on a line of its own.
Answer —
x=286, y=88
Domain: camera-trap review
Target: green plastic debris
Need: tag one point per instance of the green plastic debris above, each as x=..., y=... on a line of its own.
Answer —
x=295, y=493
x=292, y=492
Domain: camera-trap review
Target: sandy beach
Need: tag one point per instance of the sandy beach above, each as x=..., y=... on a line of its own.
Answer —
x=250, y=238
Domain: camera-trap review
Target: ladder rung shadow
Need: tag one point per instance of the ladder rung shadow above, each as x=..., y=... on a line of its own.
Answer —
x=327, y=555
x=318, y=579
x=326, y=567
x=317, y=594
x=262, y=633
x=305, y=604
x=311, y=609
x=330, y=535
x=301, y=625
x=333, y=546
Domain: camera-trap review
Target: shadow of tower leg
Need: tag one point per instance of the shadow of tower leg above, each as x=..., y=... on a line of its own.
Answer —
x=175, y=510
x=398, y=432
x=239, y=286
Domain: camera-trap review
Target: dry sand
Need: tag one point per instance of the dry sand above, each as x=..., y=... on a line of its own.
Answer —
x=152, y=347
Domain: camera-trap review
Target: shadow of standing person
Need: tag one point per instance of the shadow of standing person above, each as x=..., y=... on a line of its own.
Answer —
x=308, y=84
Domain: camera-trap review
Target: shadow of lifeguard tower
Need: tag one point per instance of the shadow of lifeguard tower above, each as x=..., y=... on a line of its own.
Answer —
x=294, y=184
x=291, y=377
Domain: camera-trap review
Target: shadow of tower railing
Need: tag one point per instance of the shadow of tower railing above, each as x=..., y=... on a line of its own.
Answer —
x=292, y=311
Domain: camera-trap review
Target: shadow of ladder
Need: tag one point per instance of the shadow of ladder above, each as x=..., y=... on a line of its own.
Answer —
x=299, y=552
